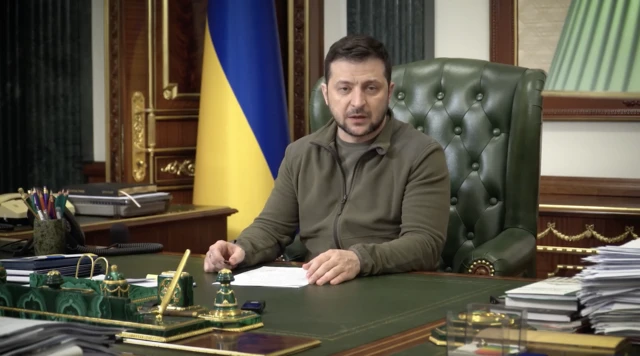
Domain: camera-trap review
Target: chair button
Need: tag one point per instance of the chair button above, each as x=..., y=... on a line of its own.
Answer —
x=400, y=95
x=493, y=201
x=454, y=201
x=440, y=96
x=420, y=128
x=496, y=132
x=470, y=235
x=479, y=96
x=475, y=166
x=457, y=130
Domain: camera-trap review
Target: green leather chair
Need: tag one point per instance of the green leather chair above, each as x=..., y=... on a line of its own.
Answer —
x=488, y=118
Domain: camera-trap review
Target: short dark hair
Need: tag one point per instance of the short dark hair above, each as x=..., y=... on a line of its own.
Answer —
x=357, y=48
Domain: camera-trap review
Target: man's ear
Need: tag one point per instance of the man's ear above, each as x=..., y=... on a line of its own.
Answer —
x=391, y=86
x=325, y=93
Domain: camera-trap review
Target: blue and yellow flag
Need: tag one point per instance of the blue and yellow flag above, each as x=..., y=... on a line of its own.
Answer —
x=242, y=127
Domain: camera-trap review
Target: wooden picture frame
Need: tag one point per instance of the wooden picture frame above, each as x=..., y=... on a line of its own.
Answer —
x=504, y=49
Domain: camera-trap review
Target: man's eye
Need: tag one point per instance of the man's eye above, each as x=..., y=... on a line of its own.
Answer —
x=343, y=89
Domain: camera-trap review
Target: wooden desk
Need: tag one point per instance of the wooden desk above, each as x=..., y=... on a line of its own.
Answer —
x=378, y=315
x=181, y=227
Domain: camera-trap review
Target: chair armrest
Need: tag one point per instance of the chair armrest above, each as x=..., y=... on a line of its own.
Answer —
x=511, y=253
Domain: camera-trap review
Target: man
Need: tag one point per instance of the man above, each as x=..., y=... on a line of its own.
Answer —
x=369, y=194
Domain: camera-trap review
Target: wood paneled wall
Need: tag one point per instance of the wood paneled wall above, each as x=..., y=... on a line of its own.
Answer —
x=155, y=50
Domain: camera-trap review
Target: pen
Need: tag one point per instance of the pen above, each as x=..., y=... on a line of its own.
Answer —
x=25, y=199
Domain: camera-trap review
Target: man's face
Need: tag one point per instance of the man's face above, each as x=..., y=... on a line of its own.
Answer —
x=358, y=96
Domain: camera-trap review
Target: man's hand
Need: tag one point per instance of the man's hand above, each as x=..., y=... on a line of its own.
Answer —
x=223, y=255
x=333, y=266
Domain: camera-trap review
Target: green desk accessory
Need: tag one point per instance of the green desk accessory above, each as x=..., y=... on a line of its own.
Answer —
x=164, y=313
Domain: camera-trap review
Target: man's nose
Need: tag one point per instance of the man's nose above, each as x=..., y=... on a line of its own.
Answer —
x=357, y=98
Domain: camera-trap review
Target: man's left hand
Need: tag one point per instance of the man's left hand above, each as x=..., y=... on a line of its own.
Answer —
x=333, y=266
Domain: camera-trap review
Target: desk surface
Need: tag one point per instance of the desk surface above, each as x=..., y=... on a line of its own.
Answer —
x=366, y=316
x=95, y=223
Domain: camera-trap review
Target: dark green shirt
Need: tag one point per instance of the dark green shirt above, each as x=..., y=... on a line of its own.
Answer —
x=349, y=154
x=394, y=219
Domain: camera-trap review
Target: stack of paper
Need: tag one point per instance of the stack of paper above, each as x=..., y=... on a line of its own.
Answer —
x=39, y=337
x=19, y=269
x=283, y=277
x=610, y=290
x=551, y=304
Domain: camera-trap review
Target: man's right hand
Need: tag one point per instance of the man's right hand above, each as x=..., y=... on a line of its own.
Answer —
x=223, y=255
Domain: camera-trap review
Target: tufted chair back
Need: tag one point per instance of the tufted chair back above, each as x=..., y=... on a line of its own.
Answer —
x=487, y=117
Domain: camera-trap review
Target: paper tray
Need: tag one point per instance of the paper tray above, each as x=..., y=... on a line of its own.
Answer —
x=150, y=204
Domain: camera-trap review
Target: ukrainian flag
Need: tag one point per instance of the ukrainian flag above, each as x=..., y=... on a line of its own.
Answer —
x=242, y=127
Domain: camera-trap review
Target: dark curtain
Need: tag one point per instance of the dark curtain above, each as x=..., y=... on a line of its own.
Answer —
x=399, y=24
x=45, y=100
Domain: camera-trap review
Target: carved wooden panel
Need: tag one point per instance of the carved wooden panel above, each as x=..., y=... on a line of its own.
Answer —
x=172, y=169
x=153, y=44
x=565, y=238
x=155, y=56
x=176, y=134
x=579, y=214
x=180, y=29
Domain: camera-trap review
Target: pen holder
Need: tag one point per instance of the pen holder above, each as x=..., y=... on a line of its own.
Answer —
x=49, y=237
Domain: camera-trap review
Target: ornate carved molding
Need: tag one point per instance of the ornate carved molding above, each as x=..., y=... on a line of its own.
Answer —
x=631, y=103
x=565, y=250
x=138, y=137
x=187, y=167
x=115, y=153
x=565, y=268
x=590, y=232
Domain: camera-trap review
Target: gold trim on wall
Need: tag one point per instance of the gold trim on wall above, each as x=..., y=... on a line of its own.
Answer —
x=138, y=136
x=175, y=187
x=556, y=207
x=182, y=167
x=567, y=250
x=174, y=149
x=588, y=233
x=187, y=168
x=564, y=268
x=176, y=117
x=169, y=90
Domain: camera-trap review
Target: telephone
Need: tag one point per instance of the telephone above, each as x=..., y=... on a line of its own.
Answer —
x=12, y=207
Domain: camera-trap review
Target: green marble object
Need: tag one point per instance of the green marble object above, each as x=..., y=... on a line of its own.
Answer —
x=183, y=293
x=54, y=279
x=114, y=302
x=225, y=304
x=114, y=284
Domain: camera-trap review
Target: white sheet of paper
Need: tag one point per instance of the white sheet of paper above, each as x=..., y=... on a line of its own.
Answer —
x=282, y=277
